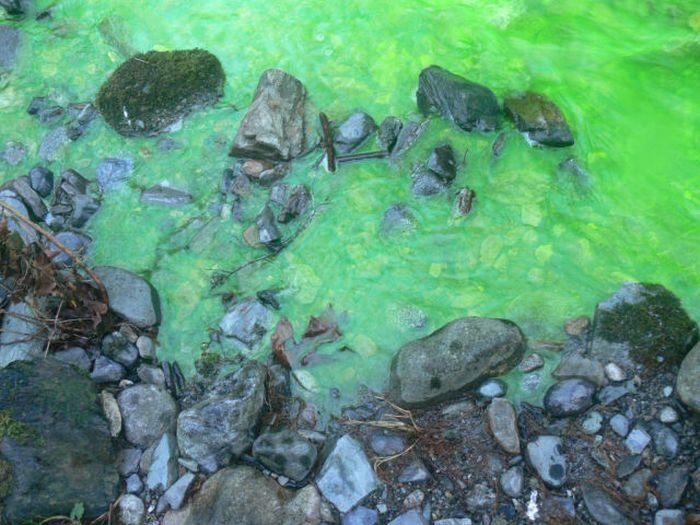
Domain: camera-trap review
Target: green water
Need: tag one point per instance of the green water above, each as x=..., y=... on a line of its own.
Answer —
x=537, y=248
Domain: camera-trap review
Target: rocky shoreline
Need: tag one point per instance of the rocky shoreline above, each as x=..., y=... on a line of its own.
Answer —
x=103, y=427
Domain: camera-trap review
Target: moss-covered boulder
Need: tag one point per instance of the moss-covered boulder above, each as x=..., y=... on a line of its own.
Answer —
x=152, y=91
x=55, y=447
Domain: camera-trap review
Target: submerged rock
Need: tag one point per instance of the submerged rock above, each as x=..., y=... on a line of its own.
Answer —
x=112, y=172
x=10, y=39
x=298, y=202
x=398, y=218
x=74, y=201
x=166, y=196
x=687, y=383
x=539, y=118
x=442, y=162
x=55, y=443
x=388, y=132
x=130, y=296
x=152, y=91
x=274, y=126
x=426, y=183
x=247, y=321
x=286, y=453
x=453, y=358
x=464, y=202
x=353, y=131
x=469, y=105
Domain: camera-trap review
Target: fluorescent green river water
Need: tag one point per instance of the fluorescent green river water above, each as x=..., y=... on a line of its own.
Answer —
x=537, y=249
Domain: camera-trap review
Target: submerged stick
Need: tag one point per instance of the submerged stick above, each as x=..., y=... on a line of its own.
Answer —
x=327, y=141
x=362, y=156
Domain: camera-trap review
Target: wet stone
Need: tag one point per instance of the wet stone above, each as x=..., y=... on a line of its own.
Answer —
x=41, y=180
x=427, y=183
x=50, y=114
x=398, y=218
x=687, y=384
x=546, y=456
x=388, y=132
x=110, y=408
x=10, y=40
x=148, y=411
x=408, y=136
x=130, y=296
x=628, y=465
x=174, y=497
x=539, y=118
x=21, y=188
x=569, y=397
x=279, y=193
x=414, y=472
x=268, y=232
x=353, y=131
x=163, y=469
x=637, y=440
x=481, y=497
x=530, y=382
x=454, y=521
x=107, y=371
x=602, y=507
x=531, y=363
x=247, y=321
x=386, y=444
x=134, y=485
x=128, y=461
x=557, y=509
x=636, y=485
x=36, y=105
x=464, y=202
x=361, y=516
x=512, y=481
x=611, y=393
x=286, y=453
x=166, y=196
x=492, y=388
x=671, y=484
x=146, y=347
x=442, y=162
x=53, y=143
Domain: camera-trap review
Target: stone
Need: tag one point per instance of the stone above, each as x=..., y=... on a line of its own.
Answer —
x=131, y=510
x=346, y=476
x=286, y=453
x=481, y=497
x=546, y=455
x=246, y=321
x=274, y=126
x=268, y=232
x=414, y=499
x=361, y=516
x=128, y=461
x=531, y=363
x=75, y=356
x=147, y=411
x=539, y=119
x=666, y=442
x=151, y=92
x=639, y=323
x=504, y=425
x=174, y=497
x=426, y=183
x=455, y=357
x=54, y=443
x=592, y=423
x=22, y=337
x=146, y=347
x=512, y=481
x=151, y=374
x=628, y=465
x=78, y=243
x=602, y=507
x=23, y=190
x=469, y=105
x=111, y=412
x=244, y=496
x=577, y=326
x=687, y=384
x=398, y=218
x=637, y=440
x=113, y=172
x=614, y=373
x=408, y=136
x=105, y=370
x=163, y=469
x=464, y=202
x=620, y=425
x=9, y=198
x=51, y=114
x=611, y=393
x=442, y=162
x=353, y=131
x=412, y=517
x=671, y=484
x=41, y=180
x=134, y=485
x=637, y=484
x=15, y=152
x=130, y=296
x=668, y=415
x=385, y=443
x=575, y=365
x=569, y=397
x=10, y=41
x=414, y=472
x=53, y=144
x=74, y=203
x=669, y=517
x=297, y=204
x=454, y=521
x=558, y=509
x=492, y=388
x=165, y=196
x=388, y=132
x=221, y=425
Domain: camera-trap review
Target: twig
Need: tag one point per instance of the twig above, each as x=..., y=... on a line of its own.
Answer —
x=327, y=141
x=385, y=459
x=74, y=256
x=362, y=156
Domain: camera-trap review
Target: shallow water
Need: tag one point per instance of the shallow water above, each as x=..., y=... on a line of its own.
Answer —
x=538, y=247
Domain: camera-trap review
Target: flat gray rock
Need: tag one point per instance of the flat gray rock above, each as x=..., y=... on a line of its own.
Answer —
x=346, y=476
x=412, y=517
x=166, y=196
x=602, y=507
x=453, y=358
x=504, y=425
x=546, y=455
x=174, y=497
x=130, y=296
x=163, y=470
x=147, y=411
x=286, y=452
x=671, y=484
x=575, y=365
x=512, y=481
x=247, y=321
x=361, y=516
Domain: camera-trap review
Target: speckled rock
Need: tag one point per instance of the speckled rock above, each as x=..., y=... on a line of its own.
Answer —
x=147, y=411
x=512, y=480
x=130, y=296
x=539, y=118
x=286, y=453
x=687, y=384
x=504, y=425
x=602, y=508
x=546, y=455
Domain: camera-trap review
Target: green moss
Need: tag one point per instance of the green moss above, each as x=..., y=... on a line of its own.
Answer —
x=5, y=480
x=208, y=363
x=151, y=91
x=16, y=430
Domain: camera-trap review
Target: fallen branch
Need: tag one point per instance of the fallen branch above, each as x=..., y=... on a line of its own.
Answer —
x=342, y=159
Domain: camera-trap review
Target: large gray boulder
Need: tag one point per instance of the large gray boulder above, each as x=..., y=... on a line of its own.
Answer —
x=638, y=324
x=55, y=444
x=469, y=105
x=222, y=425
x=130, y=296
x=22, y=335
x=688, y=380
x=453, y=358
x=244, y=496
x=274, y=127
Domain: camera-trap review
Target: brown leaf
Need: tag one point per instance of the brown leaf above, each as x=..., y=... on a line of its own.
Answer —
x=284, y=333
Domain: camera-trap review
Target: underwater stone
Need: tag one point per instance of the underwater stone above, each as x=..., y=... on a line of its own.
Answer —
x=388, y=132
x=14, y=152
x=539, y=118
x=298, y=202
x=464, y=202
x=442, y=162
x=111, y=172
x=53, y=143
x=426, y=183
x=469, y=105
x=453, y=358
x=41, y=180
x=286, y=453
x=398, y=218
x=386, y=444
x=10, y=39
x=575, y=365
x=166, y=196
x=247, y=321
x=130, y=296
x=152, y=91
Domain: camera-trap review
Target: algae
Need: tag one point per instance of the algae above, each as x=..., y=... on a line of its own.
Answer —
x=16, y=430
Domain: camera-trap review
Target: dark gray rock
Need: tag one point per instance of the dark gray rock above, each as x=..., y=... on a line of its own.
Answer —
x=166, y=196
x=247, y=321
x=361, y=516
x=408, y=136
x=539, y=118
x=353, y=131
x=639, y=323
x=56, y=448
x=268, y=232
x=51, y=114
x=74, y=202
x=453, y=358
x=147, y=411
x=669, y=517
x=78, y=243
x=113, y=172
x=687, y=384
x=36, y=104
x=414, y=472
x=174, y=497
x=388, y=132
x=10, y=40
x=426, y=183
x=274, y=126
x=512, y=481
x=671, y=484
x=128, y=461
x=14, y=152
x=130, y=296
x=286, y=453
x=569, y=397
x=546, y=455
x=442, y=162
x=575, y=365
x=15, y=7
x=222, y=425
x=469, y=105
x=244, y=496
x=628, y=465
x=41, y=180
x=152, y=92
x=504, y=424
x=279, y=193
x=386, y=443
x=163, y=469
x=22, y=337
x=298, y=203
x=602, y=507
x=637, y=484
x=53, y=143
x=620, y=425
x=31, y=199
x=492, y=388
x=107, y=371
x=398, y=218
x=346, y=476
x=75, y=356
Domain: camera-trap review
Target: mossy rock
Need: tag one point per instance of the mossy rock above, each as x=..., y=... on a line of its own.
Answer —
x=152, y=91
